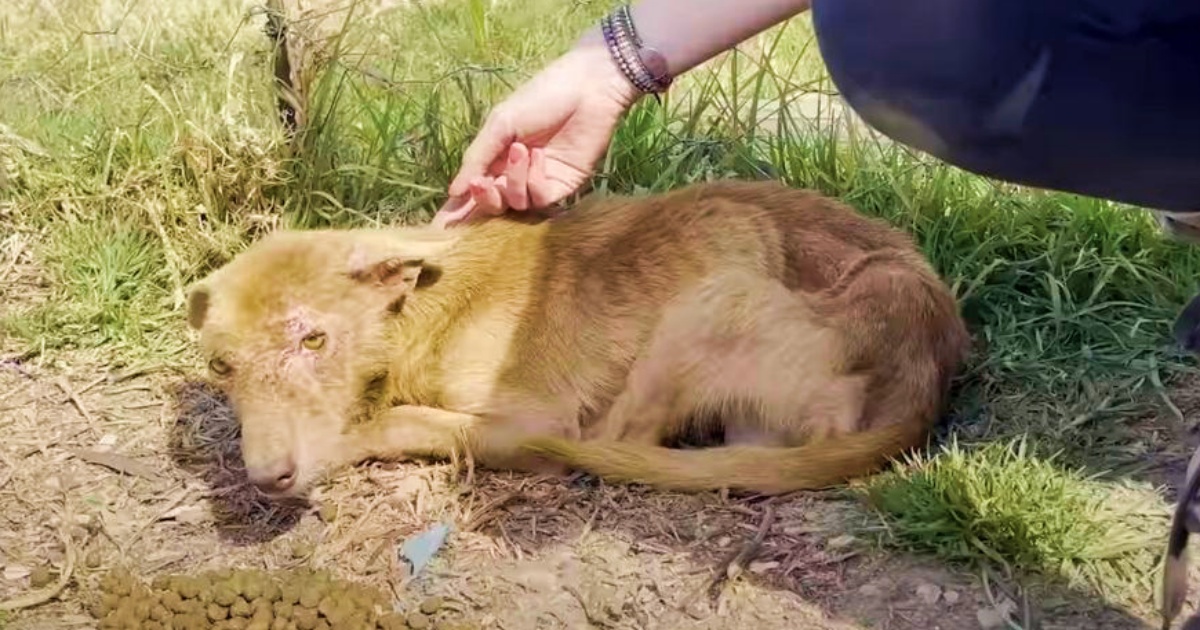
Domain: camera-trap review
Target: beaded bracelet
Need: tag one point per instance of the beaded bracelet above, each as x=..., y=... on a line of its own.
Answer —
x=643, y=66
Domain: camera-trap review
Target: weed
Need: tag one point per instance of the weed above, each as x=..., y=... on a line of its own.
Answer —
x=1002, y=504
x=141, y=145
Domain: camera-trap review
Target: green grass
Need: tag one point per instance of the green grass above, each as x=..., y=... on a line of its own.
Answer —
x=140, y=150
x=1001, y=504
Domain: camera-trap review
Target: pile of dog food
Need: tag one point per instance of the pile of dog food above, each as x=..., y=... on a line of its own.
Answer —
x=247, y=599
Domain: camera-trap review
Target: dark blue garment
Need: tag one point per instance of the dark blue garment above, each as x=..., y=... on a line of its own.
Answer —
x=1097, y=97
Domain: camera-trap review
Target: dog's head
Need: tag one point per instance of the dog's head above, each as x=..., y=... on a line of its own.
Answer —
x=295, y=330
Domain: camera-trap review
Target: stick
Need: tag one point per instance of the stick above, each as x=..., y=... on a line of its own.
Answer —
x=33, y=599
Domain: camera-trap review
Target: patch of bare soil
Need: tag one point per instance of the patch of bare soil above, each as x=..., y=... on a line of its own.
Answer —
x=108, y=470
x=1173, y=434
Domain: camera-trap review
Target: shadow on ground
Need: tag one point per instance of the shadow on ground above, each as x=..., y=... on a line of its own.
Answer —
x=204, y=442
x=793, y=545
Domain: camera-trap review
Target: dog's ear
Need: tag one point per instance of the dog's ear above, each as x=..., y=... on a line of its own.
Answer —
x=395, y=272
x=1187, y=326
x=197, y=306
x=397, y=263
x=396, y=275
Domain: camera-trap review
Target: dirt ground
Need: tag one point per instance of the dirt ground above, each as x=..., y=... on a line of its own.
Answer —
x=141, y=471
x=138, y=467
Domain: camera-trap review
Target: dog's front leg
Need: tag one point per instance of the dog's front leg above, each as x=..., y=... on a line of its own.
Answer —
x=412, y=431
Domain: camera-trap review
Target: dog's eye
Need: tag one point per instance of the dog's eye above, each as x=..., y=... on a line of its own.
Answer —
x=315, y=341
x=219, y=367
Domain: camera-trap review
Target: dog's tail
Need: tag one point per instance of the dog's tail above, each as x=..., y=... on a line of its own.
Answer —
x=765, y=470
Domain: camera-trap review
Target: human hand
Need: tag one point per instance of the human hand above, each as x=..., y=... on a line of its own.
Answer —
x=541, y=143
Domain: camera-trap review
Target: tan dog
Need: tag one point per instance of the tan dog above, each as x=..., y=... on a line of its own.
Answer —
x=818, y=341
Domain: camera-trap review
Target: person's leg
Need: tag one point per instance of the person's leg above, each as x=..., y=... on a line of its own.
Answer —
x=1097, y=97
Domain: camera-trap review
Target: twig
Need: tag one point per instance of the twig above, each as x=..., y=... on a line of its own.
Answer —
x=40, y=597
x=13, y=392
x=86, y=388
x=350, y=531
x=736, y=562
x=592, y=618
x=486, y=512
x=124, y=547
x=587, y=527
x=117, y=463
x=74, y=399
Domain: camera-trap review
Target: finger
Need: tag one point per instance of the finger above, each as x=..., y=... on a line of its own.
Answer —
x=516, y=175
x=489, y=145
x=539, y=183
x=487, y=196
x=455, y=210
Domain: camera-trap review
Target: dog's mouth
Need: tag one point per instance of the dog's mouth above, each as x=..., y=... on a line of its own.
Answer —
x=297, y=492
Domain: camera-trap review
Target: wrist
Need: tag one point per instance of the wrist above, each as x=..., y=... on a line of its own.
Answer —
x=605, y=69
x=686, y=37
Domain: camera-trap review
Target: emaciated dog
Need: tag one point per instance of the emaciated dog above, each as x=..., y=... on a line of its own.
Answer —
x=816, y=341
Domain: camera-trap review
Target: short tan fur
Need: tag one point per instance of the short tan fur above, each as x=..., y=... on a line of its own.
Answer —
x=817, y=341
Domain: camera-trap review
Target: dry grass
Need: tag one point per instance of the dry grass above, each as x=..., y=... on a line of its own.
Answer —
x=144, y=150
x=140, y=469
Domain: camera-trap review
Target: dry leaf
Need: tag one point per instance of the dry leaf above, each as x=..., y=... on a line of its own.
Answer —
x=187, y=515
x=117, y=462
x=14, y=572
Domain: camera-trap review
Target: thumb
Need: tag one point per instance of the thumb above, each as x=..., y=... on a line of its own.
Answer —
x=490, y=144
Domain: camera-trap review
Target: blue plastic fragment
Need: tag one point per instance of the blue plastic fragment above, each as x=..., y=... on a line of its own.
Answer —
x=418, y=550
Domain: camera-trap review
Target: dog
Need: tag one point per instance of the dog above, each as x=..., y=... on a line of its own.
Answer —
x=814, y=342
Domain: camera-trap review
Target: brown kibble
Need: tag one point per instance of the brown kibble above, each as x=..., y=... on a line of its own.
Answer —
x=305, y=618
x=106, y=582
x=311, y=596
x=216, y=613
x=432, y=605
x=289, y=593
x=223, y=595
x=240, y=608
x=260, y=606
x=109, y=602
x=93, y=559
x=393, y=621
x=205, y=591
x=280, y=623
x=122, y=586
x=259, y=624
x=328, y=513
x=283, y=610
x=322, y=625
x=188, y=588
x=262, y=614
x=142, y=608
x=150, y=625
x=417, y=620
x=160, y=613
x=271, y=591
x=364, y=597
x=237, y=623
x=301, y=549
x=252, y=587
x=173, y=602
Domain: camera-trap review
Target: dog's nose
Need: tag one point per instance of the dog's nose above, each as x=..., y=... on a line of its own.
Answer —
x=275, y=478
